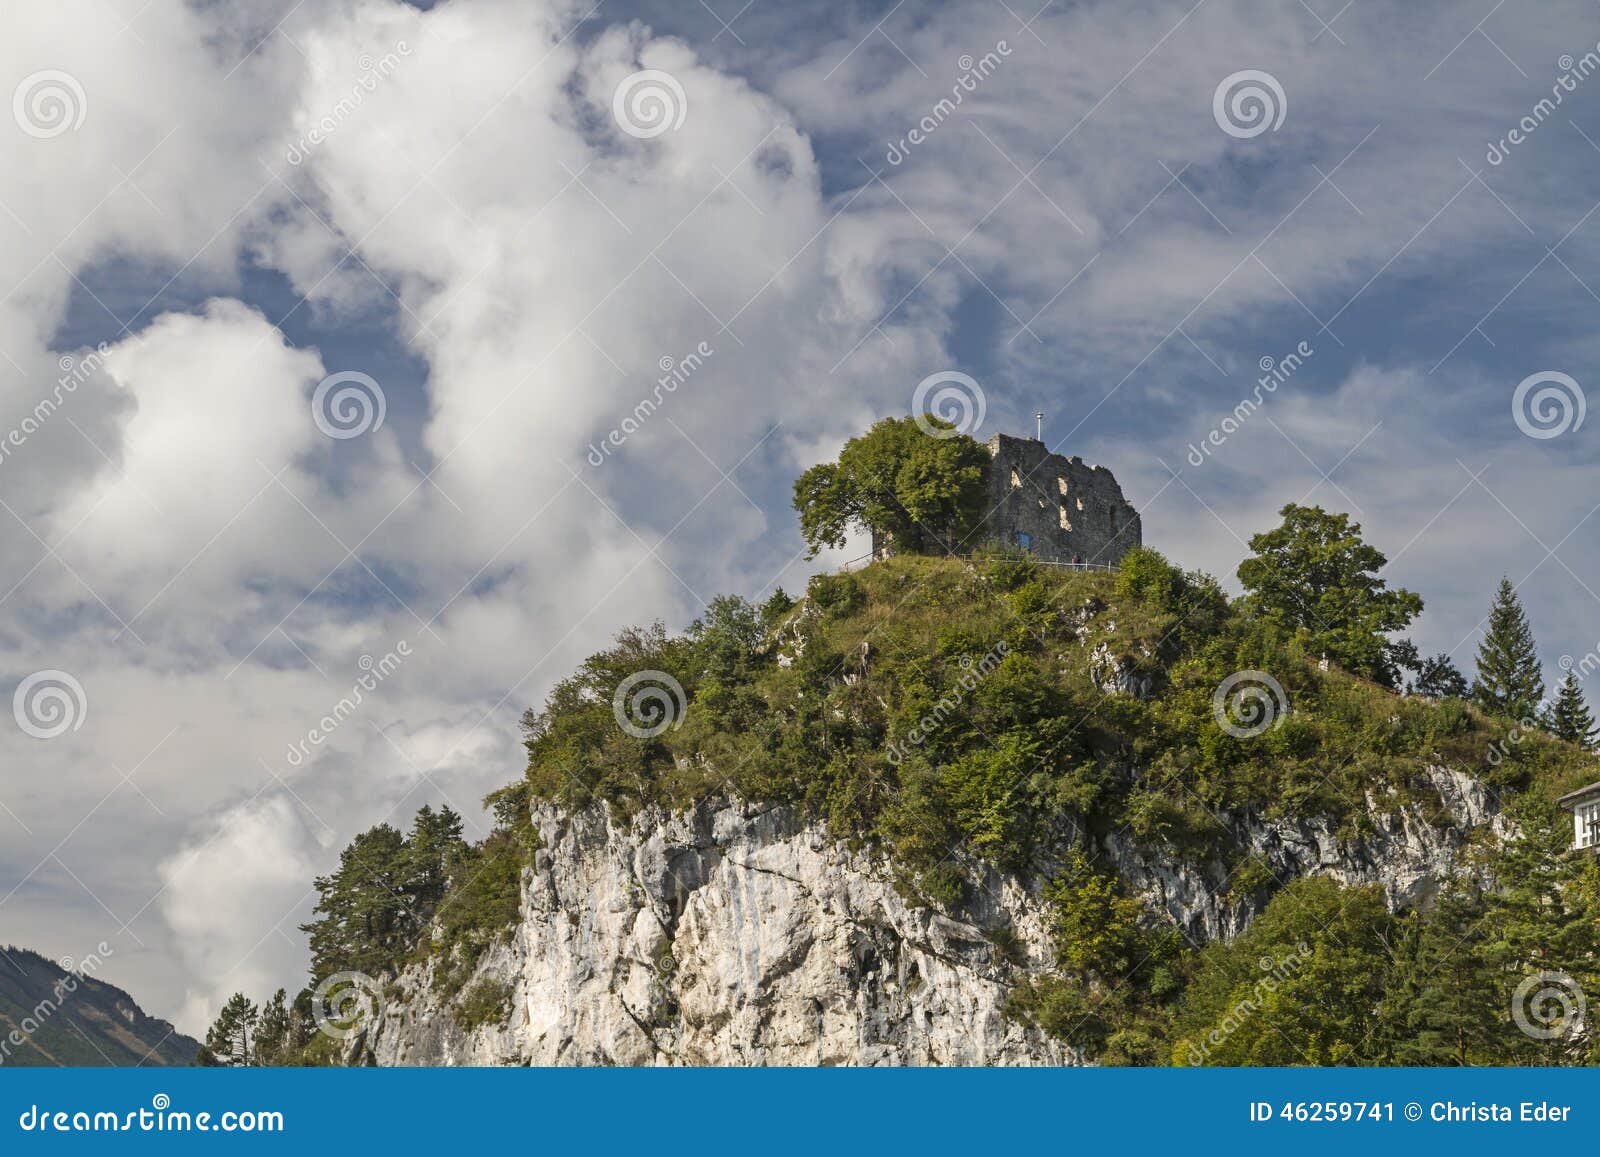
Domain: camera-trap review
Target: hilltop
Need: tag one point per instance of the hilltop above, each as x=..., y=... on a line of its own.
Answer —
x=958, y=729
x=971, y=805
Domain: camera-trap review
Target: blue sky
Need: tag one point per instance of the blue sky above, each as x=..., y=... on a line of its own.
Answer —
x=481, y=236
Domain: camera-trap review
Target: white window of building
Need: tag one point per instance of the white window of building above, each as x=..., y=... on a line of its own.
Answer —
x=1586, y=824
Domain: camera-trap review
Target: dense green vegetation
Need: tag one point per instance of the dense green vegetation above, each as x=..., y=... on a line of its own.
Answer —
x=395, y=899
x=963, y=710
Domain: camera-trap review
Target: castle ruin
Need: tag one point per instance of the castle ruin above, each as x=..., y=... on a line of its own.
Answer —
x=1058, y=509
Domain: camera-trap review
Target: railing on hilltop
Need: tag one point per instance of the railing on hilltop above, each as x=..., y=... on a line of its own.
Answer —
x=858, y=563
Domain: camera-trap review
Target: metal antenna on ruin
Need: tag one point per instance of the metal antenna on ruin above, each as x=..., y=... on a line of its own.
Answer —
x=1038, y=419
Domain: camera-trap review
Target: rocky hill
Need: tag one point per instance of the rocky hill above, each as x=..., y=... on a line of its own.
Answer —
x=52, y=1016
x=976, y=811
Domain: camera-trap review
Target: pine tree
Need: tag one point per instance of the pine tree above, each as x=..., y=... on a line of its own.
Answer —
x=1509, y=683
x=230, y=1039
x=1544, y=919
x=1570, y=718
x=1442, y=1005
x=272, y=1030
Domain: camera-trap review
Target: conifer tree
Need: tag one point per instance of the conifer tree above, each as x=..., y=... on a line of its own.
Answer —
x=1570, y=718
x=230, y=1039
x=1442, y=1006
x=1542, y=920
x=272, y=1030
x=1509, y=682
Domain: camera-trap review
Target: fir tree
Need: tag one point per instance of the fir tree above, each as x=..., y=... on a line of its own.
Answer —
x=273, y=1030
x=1438, y=678
x=1542, y=920
x=1509, y=683
x=1570, y=718
x=1443, y=1003
x=230, y=1040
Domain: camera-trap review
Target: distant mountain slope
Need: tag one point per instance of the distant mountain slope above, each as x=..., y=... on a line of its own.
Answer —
x=49, y=1016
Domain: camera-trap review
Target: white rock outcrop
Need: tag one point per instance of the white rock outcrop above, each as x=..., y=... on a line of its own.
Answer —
x=736, y=934
x=732, y=934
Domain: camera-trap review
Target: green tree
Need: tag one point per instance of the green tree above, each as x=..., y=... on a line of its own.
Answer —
x=1509, y=682
x=366, y=917
x=1301, y=986
x=1569, y=717
x=230, y=1040
x=1443, y=1004
x=1316, y=577
x=920, y=492
x=1439, y=678
x=274, y=1030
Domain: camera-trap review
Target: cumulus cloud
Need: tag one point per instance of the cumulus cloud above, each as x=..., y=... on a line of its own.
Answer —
x=261, y=195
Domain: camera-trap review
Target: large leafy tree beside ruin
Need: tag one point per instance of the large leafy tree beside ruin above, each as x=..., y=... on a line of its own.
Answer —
x=922, y=491
x=1316, y=576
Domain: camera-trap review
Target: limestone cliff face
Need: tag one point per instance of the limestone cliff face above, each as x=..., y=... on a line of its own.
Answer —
x=734, y=934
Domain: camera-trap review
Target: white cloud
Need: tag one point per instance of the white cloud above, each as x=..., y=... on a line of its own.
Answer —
x=540, y=263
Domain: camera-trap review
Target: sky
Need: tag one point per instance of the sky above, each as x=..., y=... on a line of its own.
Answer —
x=320, y=322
